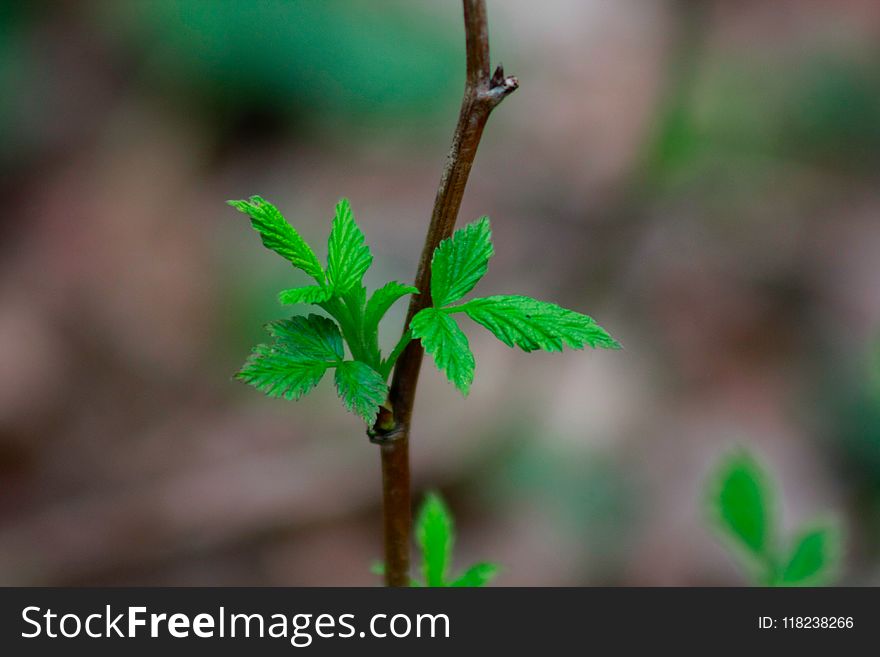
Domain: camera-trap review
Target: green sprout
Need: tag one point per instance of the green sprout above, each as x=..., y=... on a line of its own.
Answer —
x=435, y=535
x=742, y=506
x=305, y=347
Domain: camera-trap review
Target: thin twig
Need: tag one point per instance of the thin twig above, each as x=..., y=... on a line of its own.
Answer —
x=483, y=92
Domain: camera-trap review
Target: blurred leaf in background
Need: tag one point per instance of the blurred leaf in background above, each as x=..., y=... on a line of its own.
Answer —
x=847, y=392
x=330, y=59
x=435, y=536
x=742, y=505
x=728, y=125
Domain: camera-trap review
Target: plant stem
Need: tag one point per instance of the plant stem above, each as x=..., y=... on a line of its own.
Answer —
x=483, y=92
x=388, y=363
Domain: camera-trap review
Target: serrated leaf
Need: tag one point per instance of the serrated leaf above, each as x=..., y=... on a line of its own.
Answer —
x=460, y=261
x=295, y=362
x=531, y=324
x=280, y=236
x=281, y=374
x=813, y=559
x=479, y=574
x=308, y=338
x=448, y=345
x=361, y=388
x=308, y=294
x=383, y=298
x=348, y=258
x=742, y=503
x=435, y=536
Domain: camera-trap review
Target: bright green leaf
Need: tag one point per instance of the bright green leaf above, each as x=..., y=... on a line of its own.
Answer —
x=813, y=559
x=348, y=258
x=308, y=338
x=361, y=389
x=280, y=236
x=281, y=374
x=460, y=261
x=479, y=574
x=448, y=345
x=531, y=324
x=295, y=362
x=435, y=536
x=742, y=503
x=308, y=294
x=383, y=298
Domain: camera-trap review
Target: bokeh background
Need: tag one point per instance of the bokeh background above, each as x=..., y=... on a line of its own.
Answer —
x=700, y=176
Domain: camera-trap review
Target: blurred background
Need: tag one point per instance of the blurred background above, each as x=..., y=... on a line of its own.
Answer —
x=699, y=176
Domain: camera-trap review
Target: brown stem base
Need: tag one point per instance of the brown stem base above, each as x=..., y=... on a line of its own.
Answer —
x=397, y=510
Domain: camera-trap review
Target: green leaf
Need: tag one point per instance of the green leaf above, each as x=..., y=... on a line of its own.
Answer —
x=460, y=261
x=479, y=574
x=361, y=389
x=280, y=236
x=383, y=298
x=742, y=503
x=309, y=338
x=813, y=559
x=348, y=258
x=308, y=294
x=448, y=345
x=531, y=324
x=281, y=374
x=435, y=536
x=304, y=348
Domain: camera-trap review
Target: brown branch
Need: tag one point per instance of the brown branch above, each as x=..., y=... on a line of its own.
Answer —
x=483, y=92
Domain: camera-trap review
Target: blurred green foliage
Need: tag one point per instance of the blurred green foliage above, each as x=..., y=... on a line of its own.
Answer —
x=847, y=394
x=742, y=505
x=341, y=62
x=435, y=536
x=738, y=115
x=345, y=58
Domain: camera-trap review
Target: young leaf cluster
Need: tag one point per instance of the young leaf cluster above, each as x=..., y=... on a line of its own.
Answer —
x=457, y=265
x=435, y=536
x=742, y=504
x=305, y=347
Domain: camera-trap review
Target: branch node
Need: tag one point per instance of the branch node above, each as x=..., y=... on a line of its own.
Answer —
x=497, y=76
x=500, y=86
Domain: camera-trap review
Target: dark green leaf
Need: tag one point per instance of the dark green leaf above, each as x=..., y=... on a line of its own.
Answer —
x=742, y=504
x=361, y=388
x=531, y=324
x=477, y=575
x=383, y=298
x=309, y=294
x=434, y=533
x=460, y=261
x=348, y=258
x=280, y=236
x=448, y=345
x=813, y=559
